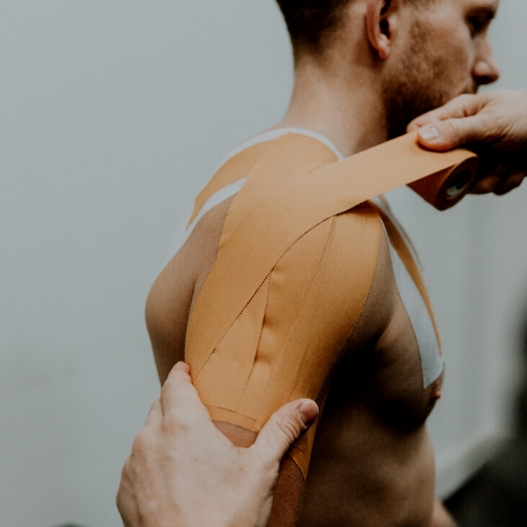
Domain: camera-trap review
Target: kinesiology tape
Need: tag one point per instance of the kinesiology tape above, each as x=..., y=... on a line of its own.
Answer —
x=295, y=263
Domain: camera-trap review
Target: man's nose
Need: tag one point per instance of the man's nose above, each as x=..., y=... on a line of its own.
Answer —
x=486, y=69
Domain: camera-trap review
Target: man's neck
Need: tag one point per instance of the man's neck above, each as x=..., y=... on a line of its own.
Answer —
x=347, y=110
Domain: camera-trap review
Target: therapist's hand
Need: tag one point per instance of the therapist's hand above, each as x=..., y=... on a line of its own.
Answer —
x=494, y=124
x=184, y=472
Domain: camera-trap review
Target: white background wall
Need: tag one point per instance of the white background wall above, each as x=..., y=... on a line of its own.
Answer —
x=113, y=113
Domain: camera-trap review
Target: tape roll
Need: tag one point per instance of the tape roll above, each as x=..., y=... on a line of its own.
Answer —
x=447, y=187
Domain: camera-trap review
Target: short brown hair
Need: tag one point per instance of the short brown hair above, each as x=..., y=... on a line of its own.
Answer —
x=311, y=22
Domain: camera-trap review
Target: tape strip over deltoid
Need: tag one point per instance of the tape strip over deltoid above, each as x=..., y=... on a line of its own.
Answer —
x=286, y=212
x=284, y=343
x=290, y=222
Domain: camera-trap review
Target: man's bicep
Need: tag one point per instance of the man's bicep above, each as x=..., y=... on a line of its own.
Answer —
x=171, y=298
x=167, y=311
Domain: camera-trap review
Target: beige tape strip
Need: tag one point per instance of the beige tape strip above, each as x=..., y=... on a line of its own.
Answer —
x=293, y=271
x=232, y=170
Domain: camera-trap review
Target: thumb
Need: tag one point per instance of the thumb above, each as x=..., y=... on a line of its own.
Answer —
x=450, y=133
x=284, y=427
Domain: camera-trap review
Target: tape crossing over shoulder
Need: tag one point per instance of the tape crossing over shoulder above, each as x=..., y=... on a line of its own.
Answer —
x=294, y=267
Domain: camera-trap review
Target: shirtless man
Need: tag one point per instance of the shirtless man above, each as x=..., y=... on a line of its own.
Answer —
x=495, y=119
x=363, y=70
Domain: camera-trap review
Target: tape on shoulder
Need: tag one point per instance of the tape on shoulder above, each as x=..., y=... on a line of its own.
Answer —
x=294, y=267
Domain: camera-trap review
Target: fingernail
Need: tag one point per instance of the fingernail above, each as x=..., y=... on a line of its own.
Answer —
x=308, y=413
x=429, y=133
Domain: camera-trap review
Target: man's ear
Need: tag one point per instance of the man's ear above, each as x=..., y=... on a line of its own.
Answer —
x=378, y=25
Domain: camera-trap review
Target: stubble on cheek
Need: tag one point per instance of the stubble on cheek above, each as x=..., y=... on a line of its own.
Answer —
x=421, y=82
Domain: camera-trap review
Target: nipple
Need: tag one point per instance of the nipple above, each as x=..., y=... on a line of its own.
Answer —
x=435, y=393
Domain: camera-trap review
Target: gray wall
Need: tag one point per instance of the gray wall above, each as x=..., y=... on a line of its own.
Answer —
x=113, y=114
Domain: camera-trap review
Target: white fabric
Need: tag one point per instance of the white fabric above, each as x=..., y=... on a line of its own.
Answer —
x=432, y=362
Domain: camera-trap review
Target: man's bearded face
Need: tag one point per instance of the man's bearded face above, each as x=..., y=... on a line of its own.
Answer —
x=428, y=75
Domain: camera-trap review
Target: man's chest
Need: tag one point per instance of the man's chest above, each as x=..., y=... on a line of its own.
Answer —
x=391, y=363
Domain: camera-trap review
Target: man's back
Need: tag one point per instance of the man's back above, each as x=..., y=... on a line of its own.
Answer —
x=372, y=461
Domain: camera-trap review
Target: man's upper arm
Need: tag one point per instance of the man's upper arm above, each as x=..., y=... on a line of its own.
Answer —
x=173, y=293
x=167, y=309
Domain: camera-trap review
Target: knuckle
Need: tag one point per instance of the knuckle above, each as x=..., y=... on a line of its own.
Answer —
x=450, y=129
x=142, y=443
x=173, y=383
x=176, y=423
x=171, y=421
x=465, y=103
x=290, y=428
x=177, y=374
x=465, y=98
x=167, y=387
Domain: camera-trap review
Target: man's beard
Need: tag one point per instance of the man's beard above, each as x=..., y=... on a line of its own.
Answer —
x=421, y=83
x=406, y=102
